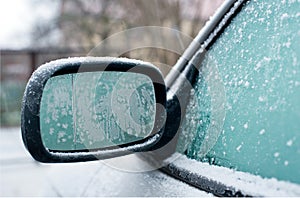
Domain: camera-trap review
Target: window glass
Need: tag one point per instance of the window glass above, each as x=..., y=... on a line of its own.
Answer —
x=93, y=110
x=245, y=110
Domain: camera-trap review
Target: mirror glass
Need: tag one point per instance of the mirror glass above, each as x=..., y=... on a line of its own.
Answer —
x=94, y=110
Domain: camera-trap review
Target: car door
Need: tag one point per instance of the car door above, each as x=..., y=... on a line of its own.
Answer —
x=242, y=118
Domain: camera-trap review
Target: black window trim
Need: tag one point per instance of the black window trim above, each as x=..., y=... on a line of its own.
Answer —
x=186, y=68
x=182, y=76
x=221, y=17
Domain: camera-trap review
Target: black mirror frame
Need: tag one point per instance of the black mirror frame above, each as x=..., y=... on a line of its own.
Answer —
x=30, y=117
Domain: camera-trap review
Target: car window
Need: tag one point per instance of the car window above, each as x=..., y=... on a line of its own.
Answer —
x=244, y=112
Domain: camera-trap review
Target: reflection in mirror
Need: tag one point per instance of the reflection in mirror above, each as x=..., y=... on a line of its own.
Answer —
x=95, y=110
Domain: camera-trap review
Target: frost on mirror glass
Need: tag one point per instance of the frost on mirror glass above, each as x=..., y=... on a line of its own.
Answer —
x=258, y=60
x=96, y=110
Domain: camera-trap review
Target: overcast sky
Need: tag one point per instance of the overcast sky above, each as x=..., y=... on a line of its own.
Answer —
x=16, y=21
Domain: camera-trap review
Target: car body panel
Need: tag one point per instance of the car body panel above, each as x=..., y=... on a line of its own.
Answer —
x=101, y=178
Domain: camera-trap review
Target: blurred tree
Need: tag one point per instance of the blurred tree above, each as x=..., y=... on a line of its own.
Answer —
x=85, y=23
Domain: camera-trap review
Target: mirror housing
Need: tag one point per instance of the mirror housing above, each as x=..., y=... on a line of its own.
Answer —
x=31, y=106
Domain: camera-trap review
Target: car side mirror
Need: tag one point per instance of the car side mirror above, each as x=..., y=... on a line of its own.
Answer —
x=82, y=109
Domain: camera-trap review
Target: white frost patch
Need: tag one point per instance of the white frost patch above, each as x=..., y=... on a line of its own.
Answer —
x=61, y=134
x=245, y=182
x=287, y=44
x=262, y=98
x=284, y=16
x=267, y=59
x=286, y=163
x=239, y=148
x=261, y=132
x=51, y=132
x=289, y=143
x=276, y=154
x=65, y=126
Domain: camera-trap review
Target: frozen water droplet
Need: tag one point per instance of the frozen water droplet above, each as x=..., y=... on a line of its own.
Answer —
x=247, y=84
x=262, y=131
x=65, y=126
x=261, y=99
x=289, y=143
x=239, y=148
x=284, y=16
